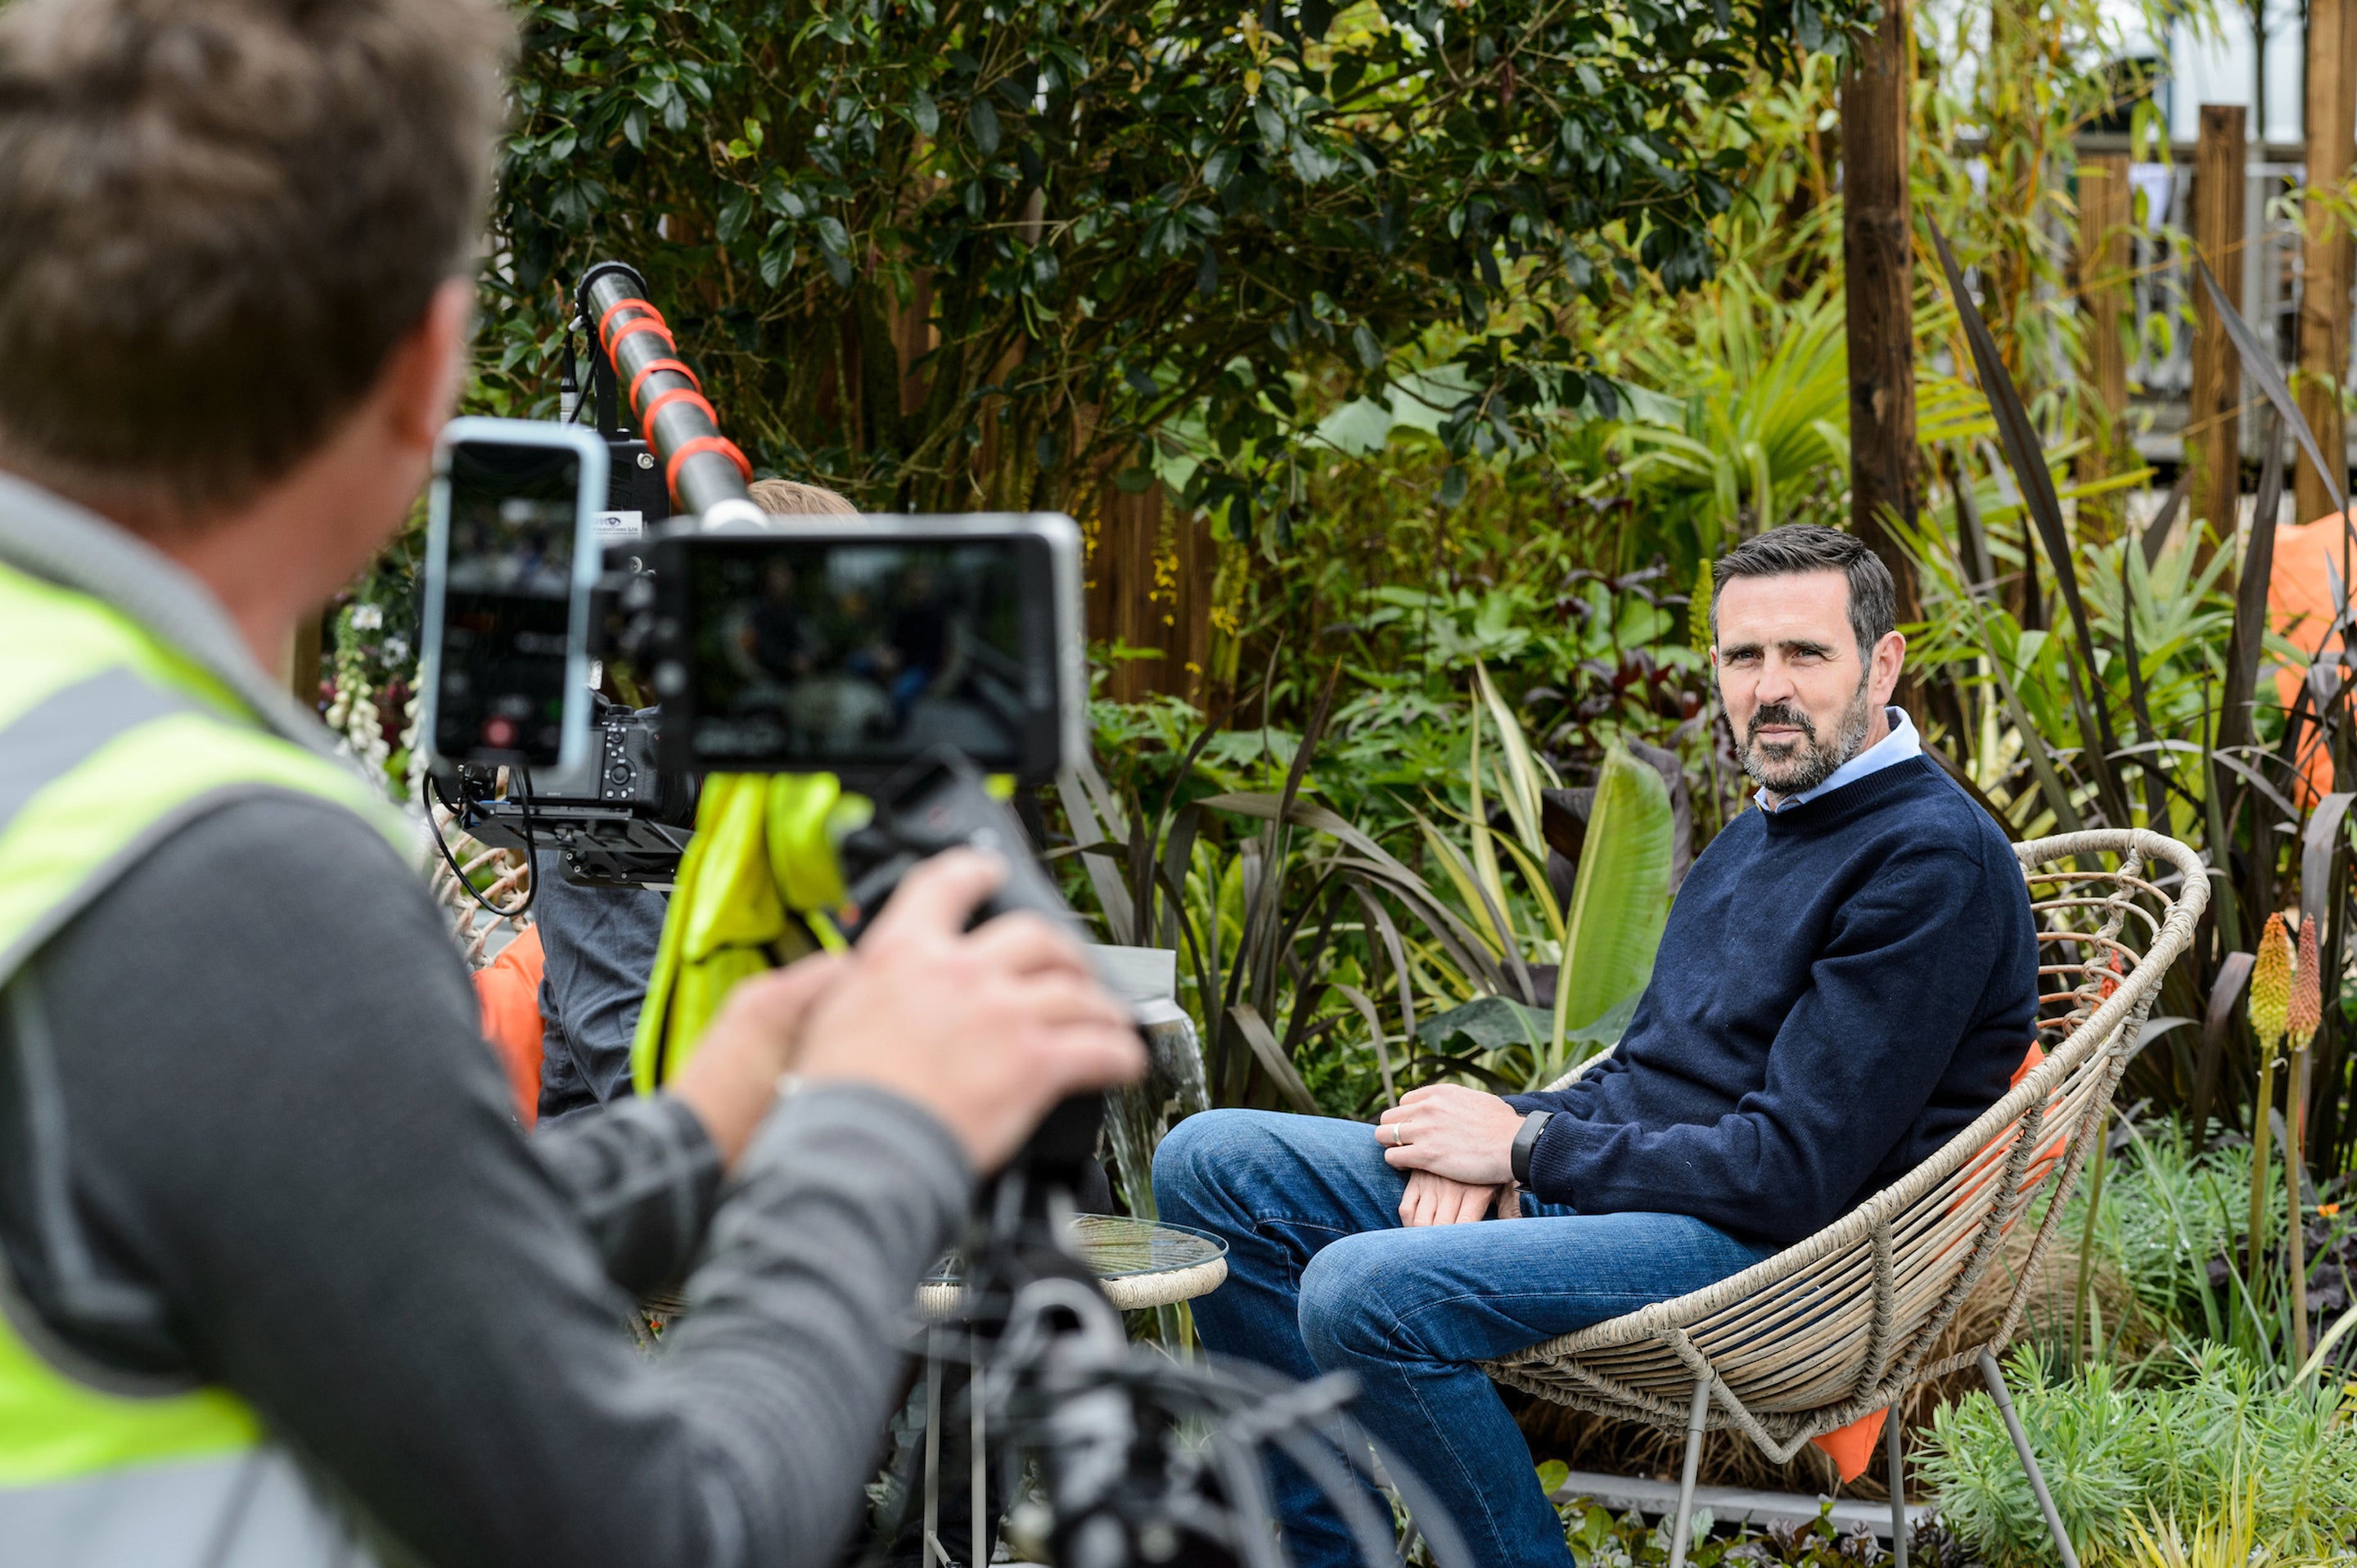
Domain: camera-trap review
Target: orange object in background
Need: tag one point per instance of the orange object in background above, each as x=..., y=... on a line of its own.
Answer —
x=508, y=990
x=2300, y=606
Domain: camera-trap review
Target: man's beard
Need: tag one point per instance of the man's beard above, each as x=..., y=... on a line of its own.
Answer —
x=1791, y=768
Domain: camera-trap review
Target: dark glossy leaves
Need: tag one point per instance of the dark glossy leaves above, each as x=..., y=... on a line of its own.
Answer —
x=981, y=122
x=1113, y=232
x=2025, y=454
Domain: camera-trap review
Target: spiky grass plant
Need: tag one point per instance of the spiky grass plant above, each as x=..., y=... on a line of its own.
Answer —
x=2224, y=1541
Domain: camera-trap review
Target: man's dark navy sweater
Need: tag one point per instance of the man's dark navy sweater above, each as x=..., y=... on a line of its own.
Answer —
x=1843, y=986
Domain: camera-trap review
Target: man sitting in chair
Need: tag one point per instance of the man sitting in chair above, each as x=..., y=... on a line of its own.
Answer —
x=1846, y=981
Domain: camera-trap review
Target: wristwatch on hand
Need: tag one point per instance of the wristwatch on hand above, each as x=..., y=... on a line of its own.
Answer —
x=1526, y=1138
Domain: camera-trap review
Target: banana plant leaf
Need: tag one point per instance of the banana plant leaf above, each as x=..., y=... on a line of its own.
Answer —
x=1621, y=898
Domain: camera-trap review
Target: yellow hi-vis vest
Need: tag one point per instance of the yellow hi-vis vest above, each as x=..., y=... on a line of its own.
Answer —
x=110, y=740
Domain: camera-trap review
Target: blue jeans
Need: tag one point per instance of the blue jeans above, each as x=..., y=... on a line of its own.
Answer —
x=1322, y=1277
x=599, y=945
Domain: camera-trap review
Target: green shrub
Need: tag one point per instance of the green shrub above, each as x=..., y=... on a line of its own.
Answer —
x=2117, y=1456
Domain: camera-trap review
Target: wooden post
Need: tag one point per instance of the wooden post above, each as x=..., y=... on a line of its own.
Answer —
x=1152, y=592
x=1878, y=252
x=2327, y=260
x=1123, y=605
x=2213, y=419
x=2106, y=211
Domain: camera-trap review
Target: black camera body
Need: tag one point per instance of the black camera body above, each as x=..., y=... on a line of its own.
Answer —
x=617, y=821
x=634, y=482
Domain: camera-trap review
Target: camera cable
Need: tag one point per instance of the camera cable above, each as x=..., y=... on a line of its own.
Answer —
x=1104, y=1417
x=432, y=796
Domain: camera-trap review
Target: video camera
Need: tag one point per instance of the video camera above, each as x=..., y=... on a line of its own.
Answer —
x=855, y=646
x=909, y=657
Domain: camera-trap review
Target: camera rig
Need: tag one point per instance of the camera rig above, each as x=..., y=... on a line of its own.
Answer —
x=617, y=820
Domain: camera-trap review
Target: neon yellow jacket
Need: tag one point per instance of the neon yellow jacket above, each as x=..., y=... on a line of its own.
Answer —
x=110, y=739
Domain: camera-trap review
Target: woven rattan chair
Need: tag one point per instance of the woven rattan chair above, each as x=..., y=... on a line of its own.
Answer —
x=1842, y=1325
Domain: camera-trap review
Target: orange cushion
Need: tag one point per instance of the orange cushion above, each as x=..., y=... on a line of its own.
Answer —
x=2047, y=1158
x=1851, y=1447
x=1983, y=1166
x=2299, y=605
x=507, y=989
x=2031, y=1062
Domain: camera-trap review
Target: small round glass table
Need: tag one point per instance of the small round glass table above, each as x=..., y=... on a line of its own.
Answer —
x=1137, y=1262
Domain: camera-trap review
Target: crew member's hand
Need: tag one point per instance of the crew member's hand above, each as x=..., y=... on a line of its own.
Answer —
x=1435, y=1200
x=732, y=1080
x=986, y=1030
x=1462, y=1133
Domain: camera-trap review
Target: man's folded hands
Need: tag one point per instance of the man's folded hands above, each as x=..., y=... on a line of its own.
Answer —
x=1457, y=1145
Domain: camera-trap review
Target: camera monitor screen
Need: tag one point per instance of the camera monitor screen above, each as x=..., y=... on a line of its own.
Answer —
x=855, y=651
x=509, y=654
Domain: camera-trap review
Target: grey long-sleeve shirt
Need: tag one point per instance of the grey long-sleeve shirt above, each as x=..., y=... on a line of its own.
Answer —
x=283, y=1126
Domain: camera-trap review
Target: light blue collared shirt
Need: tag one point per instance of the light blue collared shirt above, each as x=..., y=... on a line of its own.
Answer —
x=1899, y=746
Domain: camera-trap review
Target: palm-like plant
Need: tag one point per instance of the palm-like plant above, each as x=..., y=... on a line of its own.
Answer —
x=1766, y=421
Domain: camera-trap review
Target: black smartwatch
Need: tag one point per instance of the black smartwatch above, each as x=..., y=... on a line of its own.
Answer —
x=1527, y=1139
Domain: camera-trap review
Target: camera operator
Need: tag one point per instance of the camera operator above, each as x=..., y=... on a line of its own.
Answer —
x=282, y=1280
x=599, y=942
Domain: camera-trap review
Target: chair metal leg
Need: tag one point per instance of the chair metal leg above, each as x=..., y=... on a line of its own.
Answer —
x=979, y=1550
x=1894, y=1444
x=1695, y=1417
x=1995, y=1377
x=932, y=1553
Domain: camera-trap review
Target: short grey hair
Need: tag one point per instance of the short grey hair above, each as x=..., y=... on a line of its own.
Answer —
x=1799, y=547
